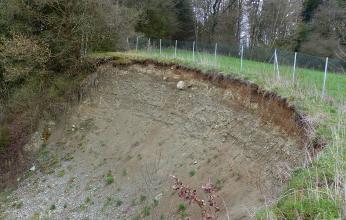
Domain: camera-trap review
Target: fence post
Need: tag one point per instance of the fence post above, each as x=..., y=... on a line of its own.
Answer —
x=215, y=54
x=276, y=64
x=160, y=46
x=128, y=44
x=325, y=78
x=175, y=50
x=294, y=68
x=193, y=50
x=149, y=44
x=137, y=44
x=241, y=58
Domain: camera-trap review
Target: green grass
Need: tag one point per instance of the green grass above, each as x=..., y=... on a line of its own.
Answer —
x=256, y=71
x=318, y=190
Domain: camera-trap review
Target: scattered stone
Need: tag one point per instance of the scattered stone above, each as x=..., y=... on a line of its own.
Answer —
x=33, y=168
x=165, y=78
x=158, y=197
x=181, y=85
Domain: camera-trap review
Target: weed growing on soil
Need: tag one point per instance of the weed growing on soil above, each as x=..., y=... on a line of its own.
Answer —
x=52, y=207
x=88, y=200
x=118, y=202
x=107, y=204
x=109, y=178
x=155, y=202
x=182, y=210
x=218, y=184
x=146, y=211
x=47, y=160
x=192, y=173
x=142, y=198
x=61, y=173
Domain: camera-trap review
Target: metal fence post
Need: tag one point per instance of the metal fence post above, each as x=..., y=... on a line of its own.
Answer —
x=137, y=44
x=276, y=64
x=215, y=53
x=160, y=46
x=175, y=51
x=325, y=78
x=294, y=68
x=193, y=50
x=241, y=58
x=149, y=44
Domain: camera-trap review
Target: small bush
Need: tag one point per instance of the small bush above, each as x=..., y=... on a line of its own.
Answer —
x=22, y=56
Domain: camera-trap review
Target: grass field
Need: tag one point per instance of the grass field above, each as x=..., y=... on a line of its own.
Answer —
x=317, y=190
x=259, y=71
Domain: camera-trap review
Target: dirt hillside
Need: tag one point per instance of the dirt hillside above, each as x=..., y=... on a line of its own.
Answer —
x=111, y=158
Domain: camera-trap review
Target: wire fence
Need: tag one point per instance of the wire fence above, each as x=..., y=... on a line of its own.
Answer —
x=323, y=76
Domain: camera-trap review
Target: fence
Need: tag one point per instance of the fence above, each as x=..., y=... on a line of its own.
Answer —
x=324, y=75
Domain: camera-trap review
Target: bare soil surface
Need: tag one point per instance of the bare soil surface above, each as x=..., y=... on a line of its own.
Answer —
x=113, y=156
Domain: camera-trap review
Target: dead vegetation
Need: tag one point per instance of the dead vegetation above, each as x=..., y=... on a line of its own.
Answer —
x=209, y=209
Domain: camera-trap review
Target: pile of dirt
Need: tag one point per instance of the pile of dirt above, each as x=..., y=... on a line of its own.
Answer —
x=113, y=156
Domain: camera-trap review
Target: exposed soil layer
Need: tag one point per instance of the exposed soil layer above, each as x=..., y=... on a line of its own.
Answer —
x=139, y=128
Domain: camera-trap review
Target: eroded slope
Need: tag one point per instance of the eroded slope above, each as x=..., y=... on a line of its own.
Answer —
x=138, y=128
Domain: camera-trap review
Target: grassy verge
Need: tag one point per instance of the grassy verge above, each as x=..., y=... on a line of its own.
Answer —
x=317, y=190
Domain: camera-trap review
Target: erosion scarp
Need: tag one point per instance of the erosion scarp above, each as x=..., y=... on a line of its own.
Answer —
x=111, y=158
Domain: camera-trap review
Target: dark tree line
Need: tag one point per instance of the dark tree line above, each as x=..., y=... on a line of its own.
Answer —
x=104, y=25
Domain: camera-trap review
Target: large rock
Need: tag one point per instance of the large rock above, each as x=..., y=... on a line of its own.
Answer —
x=181, y=85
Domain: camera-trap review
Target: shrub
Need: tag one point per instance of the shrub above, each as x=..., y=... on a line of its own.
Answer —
x=22, y=56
